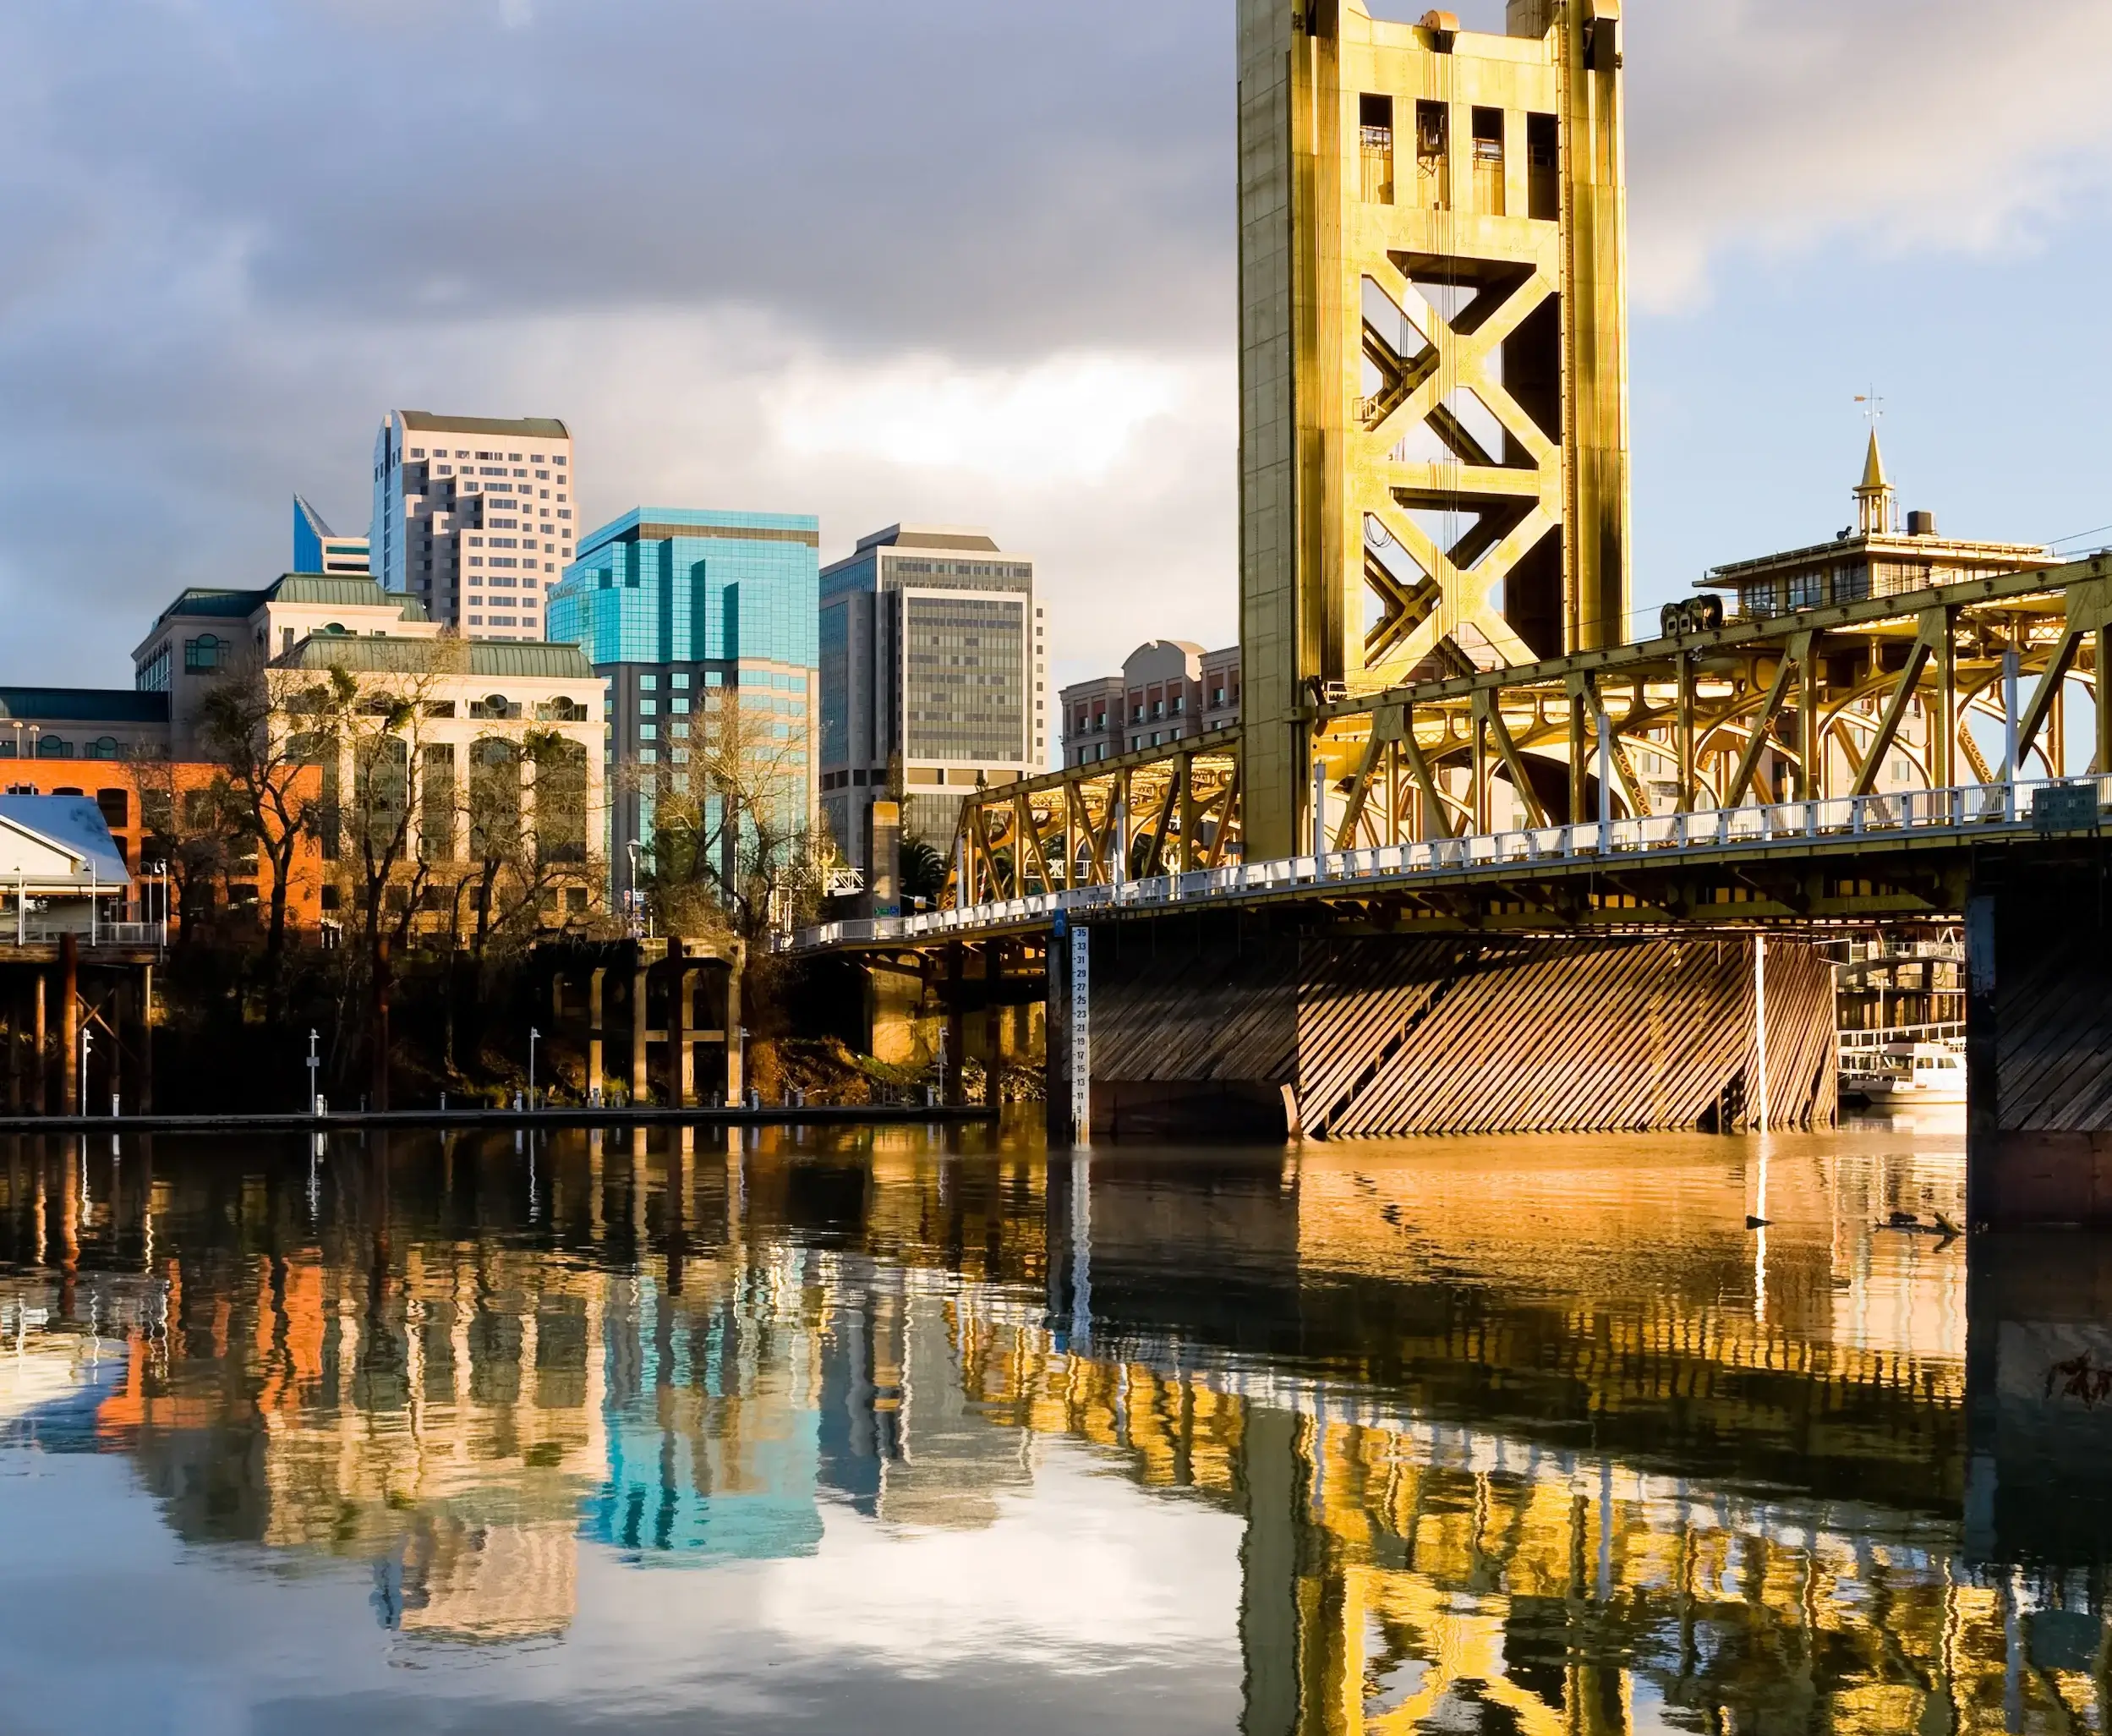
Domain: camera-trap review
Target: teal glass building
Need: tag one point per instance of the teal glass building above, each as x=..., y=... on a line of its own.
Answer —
x=692, y=615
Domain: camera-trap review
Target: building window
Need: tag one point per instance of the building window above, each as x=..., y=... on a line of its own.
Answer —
x=206, y=653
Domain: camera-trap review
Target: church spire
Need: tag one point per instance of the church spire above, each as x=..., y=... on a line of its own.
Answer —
x=1875, y=501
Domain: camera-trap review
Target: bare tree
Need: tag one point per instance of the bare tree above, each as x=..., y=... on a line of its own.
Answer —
x=732, y=835
x=270, y=797
x=188, y=829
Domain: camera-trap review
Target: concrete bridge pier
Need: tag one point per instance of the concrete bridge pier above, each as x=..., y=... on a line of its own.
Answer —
x=2038, y=1038
x=675, y=975
x=1235, y=1026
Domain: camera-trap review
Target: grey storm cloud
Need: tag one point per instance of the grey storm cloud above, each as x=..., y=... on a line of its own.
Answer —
x=992, y=174
x=724, y=240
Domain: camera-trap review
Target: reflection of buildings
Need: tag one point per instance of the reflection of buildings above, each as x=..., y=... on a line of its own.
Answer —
x=906, y=1439
x=456, y=1581
x=713, y=1428
x=1551, y=1446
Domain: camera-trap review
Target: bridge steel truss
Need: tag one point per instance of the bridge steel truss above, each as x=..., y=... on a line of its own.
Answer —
x=1815, y=706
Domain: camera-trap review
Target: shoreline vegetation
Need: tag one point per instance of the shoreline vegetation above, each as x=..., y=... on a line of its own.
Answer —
x=438, y=892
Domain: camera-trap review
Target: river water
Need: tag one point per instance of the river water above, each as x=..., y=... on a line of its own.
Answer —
x=918, y=1430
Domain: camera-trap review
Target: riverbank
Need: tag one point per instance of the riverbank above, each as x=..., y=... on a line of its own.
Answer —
x=337, y=1120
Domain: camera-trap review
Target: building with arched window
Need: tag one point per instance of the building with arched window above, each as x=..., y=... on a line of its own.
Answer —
x=494, y=743
x=88, y=723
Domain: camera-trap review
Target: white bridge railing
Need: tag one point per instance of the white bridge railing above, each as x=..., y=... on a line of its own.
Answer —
x=1977, y=809
x=34, y=933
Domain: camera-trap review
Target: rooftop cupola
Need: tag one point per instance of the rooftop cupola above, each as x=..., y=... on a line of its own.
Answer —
x=1876, y=504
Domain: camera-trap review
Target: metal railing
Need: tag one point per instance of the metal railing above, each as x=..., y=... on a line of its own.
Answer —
x=102, y=934
x=1872, y=1042
x=1972, y=809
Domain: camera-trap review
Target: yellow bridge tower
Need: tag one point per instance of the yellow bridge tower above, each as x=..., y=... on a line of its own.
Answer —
x=1433, y=470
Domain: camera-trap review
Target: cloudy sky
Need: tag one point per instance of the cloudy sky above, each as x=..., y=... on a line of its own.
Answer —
x=971, y=263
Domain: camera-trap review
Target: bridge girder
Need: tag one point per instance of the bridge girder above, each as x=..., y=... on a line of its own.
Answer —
x=1815, y=705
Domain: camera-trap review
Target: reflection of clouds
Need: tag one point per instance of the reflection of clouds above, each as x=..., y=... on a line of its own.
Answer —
x=1444, y=1427
x=1084, y=1570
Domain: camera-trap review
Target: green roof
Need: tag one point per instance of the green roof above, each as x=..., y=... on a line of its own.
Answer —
x=240, y=605
x=327, y=590
x=394, y=656
x=83, y=706
x=335, y=590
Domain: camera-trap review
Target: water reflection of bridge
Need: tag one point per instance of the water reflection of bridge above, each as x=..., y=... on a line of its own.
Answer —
x=1482, y=1478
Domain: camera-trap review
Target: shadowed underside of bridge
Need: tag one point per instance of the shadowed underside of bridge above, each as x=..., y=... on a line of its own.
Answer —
x=2038, y=938
x=1199, y=1029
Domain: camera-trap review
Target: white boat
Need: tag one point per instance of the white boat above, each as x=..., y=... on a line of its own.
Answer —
x=1909, y=1073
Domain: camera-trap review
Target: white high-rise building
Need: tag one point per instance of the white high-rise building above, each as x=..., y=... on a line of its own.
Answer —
x=475, y=517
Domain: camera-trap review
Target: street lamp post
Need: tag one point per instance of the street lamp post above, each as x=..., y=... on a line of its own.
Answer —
x=87, y=1045
x=314, y=1061
x=534, y=1037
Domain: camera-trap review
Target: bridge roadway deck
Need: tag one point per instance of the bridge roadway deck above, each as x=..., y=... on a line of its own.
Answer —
x=1610, y=874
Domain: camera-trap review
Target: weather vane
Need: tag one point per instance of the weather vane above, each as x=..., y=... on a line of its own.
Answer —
x=1873, y=406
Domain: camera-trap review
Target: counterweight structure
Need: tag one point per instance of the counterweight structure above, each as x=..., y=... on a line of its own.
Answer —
x=1433, y=360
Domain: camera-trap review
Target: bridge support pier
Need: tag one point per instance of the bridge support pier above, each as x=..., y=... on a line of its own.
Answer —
x=1201, y=1023
x=2038, y=1038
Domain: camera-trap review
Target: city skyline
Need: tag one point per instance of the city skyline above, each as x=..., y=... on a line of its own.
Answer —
x=1053, y=357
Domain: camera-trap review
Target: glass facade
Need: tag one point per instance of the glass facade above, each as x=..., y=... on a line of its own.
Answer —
x=683, y=609
x=835, y=683
x=666, y=586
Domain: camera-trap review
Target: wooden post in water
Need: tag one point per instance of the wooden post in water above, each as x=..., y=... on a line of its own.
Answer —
x=39, y=1042
x=69, y=1025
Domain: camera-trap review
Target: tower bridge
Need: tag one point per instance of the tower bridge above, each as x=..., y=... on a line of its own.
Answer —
x=1472, y=861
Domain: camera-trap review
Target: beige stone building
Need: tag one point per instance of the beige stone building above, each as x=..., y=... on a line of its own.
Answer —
x=482, y=717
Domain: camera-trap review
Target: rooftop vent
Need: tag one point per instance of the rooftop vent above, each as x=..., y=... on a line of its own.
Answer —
x=1444, y=26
